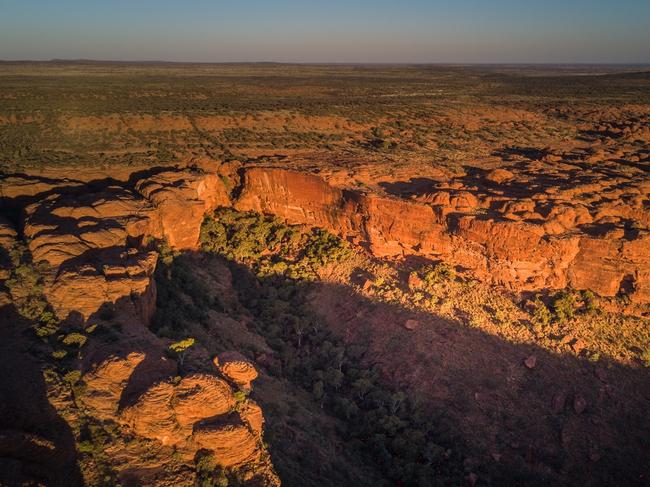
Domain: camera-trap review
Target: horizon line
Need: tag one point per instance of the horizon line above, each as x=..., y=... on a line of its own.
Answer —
x=328, y=63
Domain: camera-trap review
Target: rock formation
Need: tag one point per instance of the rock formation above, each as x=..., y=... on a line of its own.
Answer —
x=522, y=243
x=181, y=200
x=92, y=245
x=237, y=368
x=519, y=239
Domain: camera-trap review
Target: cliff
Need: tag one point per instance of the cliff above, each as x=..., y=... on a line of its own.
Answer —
x=93, y=245
x=523, y=244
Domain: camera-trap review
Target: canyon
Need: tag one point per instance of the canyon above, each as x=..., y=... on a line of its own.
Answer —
x=95, y=241
x=94, y=244
x=324, y=275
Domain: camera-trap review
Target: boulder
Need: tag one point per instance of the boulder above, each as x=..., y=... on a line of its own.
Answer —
x=237, y=368
x=231, y=441
x=499, y=176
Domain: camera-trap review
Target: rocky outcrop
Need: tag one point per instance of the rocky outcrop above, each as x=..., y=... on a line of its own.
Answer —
x=106, y=382
x=526, y=241
x=168, y=412
x=237, y=368
x=580, y=235
x=92, y=246
x=67, y=225
x=231, y=440
x=95, y=242
x=90, y=243
x=197, y=412
x=181, y=200
x=8, y=238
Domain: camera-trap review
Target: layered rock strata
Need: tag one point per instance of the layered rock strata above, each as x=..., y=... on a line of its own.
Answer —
x=520, y=243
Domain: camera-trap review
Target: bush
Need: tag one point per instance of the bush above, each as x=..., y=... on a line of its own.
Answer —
x=590, y=302
x=564, y=306
x=26, y=287
x=208, y=473
x=541, y=313
x=59, y=354
x=75, y=339
x=439, y=273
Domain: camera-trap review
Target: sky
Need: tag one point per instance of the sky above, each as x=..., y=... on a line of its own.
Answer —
x=379, y=31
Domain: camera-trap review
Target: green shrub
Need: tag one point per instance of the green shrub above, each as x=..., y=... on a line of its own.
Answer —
x=240, y=396
x=72, y=377
x=564, y=306
x=85, y=446
x=75, y=339
x=208, y=473
x=26, y=287
x=439, y=273
x=59, y=354
x=590, y=302
x=541, y=314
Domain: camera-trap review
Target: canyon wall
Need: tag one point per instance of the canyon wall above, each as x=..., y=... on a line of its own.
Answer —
x=93, y=247
x=567, y=247
x=95, y=240
x=93, y=244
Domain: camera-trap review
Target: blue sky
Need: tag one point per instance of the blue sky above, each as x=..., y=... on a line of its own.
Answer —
x=442, y=31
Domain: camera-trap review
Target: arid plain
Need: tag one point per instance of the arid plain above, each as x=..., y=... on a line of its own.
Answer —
x=254, y=274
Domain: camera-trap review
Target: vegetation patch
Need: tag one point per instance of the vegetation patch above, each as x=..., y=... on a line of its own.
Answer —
x=381, y=423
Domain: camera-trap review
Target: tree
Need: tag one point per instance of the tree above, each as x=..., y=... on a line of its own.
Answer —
x=299, y=328
x=75, y=339
x=318, y=390
x=334, y=378
x=396, y=401
x=180, y=348
x=362, y=386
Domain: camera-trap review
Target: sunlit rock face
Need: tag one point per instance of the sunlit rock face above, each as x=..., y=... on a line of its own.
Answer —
x=237, y=368
x=540, y=241
x=94, y=241
x=199, y=411
x=181, y=200
x=545, y=241
x=94, y=248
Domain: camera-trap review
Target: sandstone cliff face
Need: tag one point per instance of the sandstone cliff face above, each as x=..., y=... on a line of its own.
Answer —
x=181, y=200
x=521, y=243
x=92, y=246
x=543, y=241
x=93, y=243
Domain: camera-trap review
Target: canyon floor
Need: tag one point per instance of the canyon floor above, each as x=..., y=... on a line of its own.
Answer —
x=324, y=275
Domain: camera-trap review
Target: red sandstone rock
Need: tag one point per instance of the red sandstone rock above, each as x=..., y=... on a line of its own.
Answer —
x=549, y=252
x=252, y=414
x=499, y=176
x=231, y=441
x=106, y=383
x=182, y=198
x=411, y=324
x=237, y=368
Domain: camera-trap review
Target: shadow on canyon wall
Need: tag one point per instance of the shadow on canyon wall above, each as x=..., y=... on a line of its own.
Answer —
x=567, y=420
x=36, y=443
